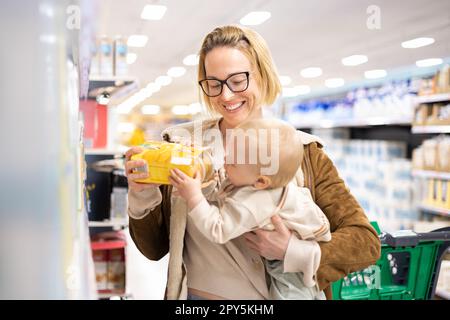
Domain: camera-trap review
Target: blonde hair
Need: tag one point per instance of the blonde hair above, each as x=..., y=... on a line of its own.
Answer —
x=256, y=50
x=290, y=149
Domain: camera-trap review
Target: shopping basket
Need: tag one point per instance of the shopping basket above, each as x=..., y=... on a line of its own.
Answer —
x=408, y=268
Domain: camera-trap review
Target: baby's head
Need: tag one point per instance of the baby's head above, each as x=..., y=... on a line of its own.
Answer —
x=264, y=153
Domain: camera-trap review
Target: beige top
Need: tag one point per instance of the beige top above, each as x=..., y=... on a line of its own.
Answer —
x=208, y=264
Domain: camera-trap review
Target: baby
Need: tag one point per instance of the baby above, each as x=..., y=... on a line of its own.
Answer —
x=257, y=188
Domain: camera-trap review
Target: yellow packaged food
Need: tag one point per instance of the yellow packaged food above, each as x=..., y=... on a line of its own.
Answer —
x=161, y=157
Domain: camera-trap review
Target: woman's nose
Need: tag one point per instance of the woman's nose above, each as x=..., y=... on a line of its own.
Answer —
x=226, y=93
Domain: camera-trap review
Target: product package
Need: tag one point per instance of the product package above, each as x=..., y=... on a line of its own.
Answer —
x=161, y=157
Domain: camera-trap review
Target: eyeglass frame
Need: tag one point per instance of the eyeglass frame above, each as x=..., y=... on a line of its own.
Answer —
x=222, y=82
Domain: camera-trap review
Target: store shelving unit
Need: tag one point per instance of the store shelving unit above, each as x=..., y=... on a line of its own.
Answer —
x=441, y=97
x=435, y=210
x=351, y=123
x=115, y=224
x=431, y=129
x=431, y=174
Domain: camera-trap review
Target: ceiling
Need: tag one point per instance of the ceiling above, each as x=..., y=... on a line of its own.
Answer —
x=299, y=33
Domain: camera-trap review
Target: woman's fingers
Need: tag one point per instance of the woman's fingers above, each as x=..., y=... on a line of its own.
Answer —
x=132, y=151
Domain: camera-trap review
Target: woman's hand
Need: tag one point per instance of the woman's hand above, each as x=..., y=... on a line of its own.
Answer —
x=190, y=189
x=272, y=245
x=130, y=165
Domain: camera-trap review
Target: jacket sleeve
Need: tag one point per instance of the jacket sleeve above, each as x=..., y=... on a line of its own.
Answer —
x=354, y=242
x=149, y=213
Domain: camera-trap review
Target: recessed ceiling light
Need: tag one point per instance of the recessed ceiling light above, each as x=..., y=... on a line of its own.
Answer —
x=163, y=80
x=137, y=40
x=131, y=57
x=289, y=92
x=417, y=43
x=191, y=60
x=285, y=80
x=180, y=110
x=255, y=18
x=150, y=109
x=375, y=74
x=195, y=108
x=428, y=62
x=153, y=12
x=334, y=82
x=176, y=72
x=311, y=72
x=354, y=60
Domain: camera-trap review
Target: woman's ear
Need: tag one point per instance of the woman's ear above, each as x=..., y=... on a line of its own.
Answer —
x=262, y=182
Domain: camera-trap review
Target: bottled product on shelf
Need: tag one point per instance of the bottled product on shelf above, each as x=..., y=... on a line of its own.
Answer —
x=393, y=103
x=378, y=175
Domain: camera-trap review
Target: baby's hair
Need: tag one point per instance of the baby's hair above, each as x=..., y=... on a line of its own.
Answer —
x=290, y=147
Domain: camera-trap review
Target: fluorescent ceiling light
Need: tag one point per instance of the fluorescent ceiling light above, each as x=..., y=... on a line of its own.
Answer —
x=153, y=12
x=150, y=109
x=176, y=72
x=354, y=60
x=163, y=80
x=303, y=89
x=312, y=72
x=180, y=110
x=428, y=62
x=191, y=60
x=131, y=57
x=153, y=87
x=417, y=43
x=137, y=40
x=334, y=82
x=375, y=74
x=255, y=18
x=285, y=80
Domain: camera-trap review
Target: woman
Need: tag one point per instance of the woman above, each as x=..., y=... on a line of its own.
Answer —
x=237, y=78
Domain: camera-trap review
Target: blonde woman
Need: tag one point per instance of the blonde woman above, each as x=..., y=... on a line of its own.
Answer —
x=238, y=78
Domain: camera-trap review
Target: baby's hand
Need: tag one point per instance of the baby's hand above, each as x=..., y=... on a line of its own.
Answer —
x=188, y=188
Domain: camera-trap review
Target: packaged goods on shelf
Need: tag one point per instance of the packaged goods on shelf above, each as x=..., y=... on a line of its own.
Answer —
x=394, y=100
x=106, y=57
x=439, y=83
x=379, y=177
x=433, y=154
x=120, y=56
x=95, y=60
x=101, y=268
x=116, y=270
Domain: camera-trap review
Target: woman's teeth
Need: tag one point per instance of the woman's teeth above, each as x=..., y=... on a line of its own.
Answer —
x=232, y=107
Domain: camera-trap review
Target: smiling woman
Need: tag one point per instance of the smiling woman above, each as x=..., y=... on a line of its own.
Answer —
x=238, y=78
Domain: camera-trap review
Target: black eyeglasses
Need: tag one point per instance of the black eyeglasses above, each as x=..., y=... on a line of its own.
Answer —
x=236, y=82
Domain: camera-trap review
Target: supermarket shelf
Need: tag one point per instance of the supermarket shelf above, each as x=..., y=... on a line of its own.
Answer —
x=442, y=294
x=102, y=151
x=431, y=174
x=435, y=210
x=431, y=129
x=93, y=78
x=442, y=97
x=108, y=244
x=348, y=123
x=115, y=224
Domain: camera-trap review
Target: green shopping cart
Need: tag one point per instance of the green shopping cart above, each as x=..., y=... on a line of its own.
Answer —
x=408, y=268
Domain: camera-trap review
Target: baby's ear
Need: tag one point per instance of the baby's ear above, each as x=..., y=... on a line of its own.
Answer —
x=262, y=182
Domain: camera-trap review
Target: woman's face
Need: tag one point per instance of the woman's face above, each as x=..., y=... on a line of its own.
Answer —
x=235, y=107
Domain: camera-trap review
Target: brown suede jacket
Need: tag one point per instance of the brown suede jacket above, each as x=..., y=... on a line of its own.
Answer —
x=354, y=242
